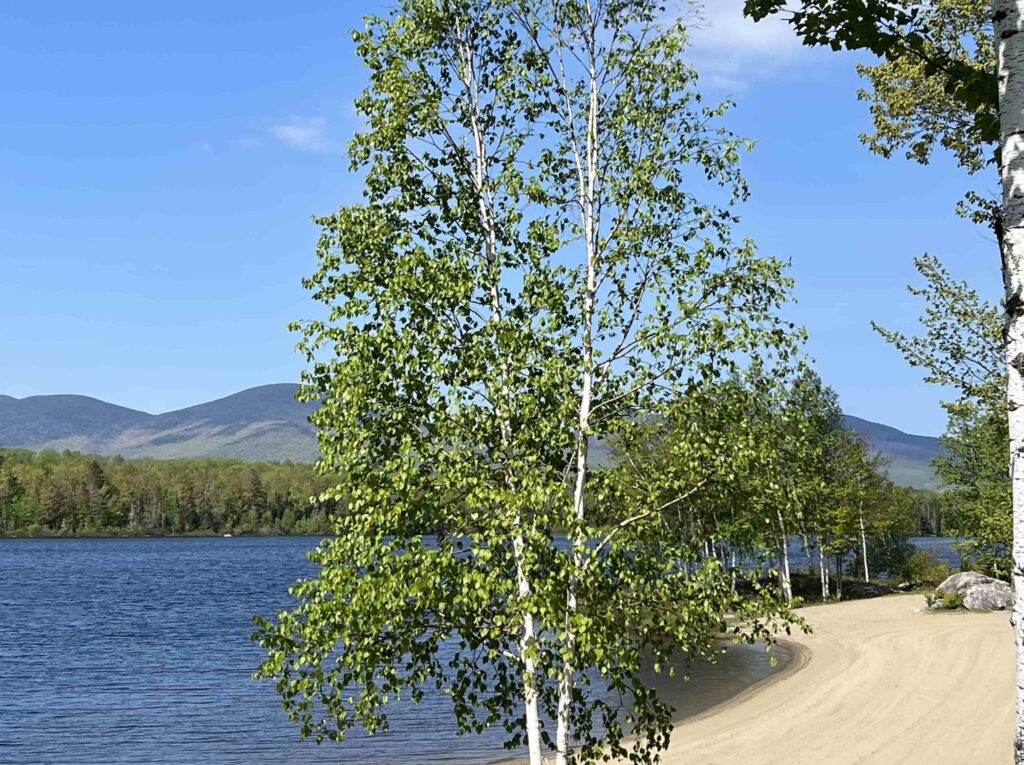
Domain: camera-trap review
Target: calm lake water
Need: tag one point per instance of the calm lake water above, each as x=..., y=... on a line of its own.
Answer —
x=137, y=651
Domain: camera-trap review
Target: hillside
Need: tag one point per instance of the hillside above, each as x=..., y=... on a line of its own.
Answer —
x=910, y=456
x=264, y=423
x=267, y=423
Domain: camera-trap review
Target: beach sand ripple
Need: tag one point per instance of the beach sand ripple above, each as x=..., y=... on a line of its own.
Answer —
x=879, y=682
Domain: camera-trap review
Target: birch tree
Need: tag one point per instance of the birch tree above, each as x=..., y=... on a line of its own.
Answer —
x=542, y=255
x=993, y=101
x=1008, y=16
x=961, y=347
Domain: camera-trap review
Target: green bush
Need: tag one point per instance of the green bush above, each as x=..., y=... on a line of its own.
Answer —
x=952, y=600
x=945, y=601
x=922, y=567
x=989, y=559
x=886, y=554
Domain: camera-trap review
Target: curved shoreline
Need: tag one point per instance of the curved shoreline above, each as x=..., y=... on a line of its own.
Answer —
x=800, y=656
x=879, y=681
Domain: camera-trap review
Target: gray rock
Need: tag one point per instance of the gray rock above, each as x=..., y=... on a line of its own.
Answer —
x=989, y=596
x=960, y=583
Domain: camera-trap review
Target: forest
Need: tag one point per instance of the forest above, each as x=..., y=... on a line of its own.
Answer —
x=51, y=493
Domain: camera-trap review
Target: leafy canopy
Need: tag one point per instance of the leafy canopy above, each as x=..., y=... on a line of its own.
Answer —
x=546, y=217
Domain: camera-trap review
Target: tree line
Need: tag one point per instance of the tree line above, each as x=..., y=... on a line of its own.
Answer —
x=761, y=462
x=71, y=494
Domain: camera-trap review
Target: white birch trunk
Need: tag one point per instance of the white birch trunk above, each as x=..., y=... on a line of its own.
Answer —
x=784, y=579
x=807, y=552
x=527, y=642
x=864, y=548
x=587, y=175
x=528, y=636
x=823, y=570
x=1007, y=18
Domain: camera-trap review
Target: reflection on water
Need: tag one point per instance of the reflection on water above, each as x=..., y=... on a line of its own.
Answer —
x=137, y=651
x=712, y=684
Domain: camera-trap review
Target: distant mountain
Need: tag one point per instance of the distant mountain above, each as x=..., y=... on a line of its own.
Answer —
x=267, y=423
x=910, y=456
x=264, y=423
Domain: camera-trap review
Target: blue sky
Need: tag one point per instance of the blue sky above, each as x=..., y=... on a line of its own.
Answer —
x=159, y=164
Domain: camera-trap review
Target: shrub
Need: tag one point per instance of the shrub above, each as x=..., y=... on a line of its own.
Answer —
x=922, y=567
x=886, y=554
x=990, y=559
x=948, y=601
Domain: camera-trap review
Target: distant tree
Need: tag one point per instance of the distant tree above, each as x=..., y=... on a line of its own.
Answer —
x=11, y=495
x=961, y=348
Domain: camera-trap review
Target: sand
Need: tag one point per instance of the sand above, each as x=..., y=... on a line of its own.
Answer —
x=880, y=681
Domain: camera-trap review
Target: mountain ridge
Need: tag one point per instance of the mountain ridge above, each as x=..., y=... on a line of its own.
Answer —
x=909, y=456
x=266, y=423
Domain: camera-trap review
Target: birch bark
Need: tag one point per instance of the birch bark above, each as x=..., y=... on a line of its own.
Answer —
x=485, y=208
x=864, y=547
x=1007, y=17
x=785, y=582
x=823, y=570
x=587, y=178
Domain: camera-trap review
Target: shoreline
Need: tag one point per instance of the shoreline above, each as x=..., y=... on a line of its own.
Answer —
x=798, y=657
x=879, y=681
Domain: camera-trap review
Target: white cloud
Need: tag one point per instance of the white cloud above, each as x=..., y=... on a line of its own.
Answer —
x=730, y=50
x=303, y=133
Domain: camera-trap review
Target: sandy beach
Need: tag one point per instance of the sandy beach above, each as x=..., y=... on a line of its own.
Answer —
x=880, y=681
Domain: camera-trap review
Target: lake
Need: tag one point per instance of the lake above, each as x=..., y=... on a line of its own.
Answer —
x=137, y=651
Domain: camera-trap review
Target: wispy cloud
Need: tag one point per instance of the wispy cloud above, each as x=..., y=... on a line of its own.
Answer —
x=303, y=133
x=730, y=50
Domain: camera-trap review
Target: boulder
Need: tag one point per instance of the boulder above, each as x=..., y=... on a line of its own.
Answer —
x=960, y=583
x=988, y=596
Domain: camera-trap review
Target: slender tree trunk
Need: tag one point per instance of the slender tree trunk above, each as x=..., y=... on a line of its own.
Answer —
x=823, y=570
x=527, y=644
x=784, y=579
x=482, y=189
x=807, y=552
x=864, y=547
x=587, y=177
x=1008, y=16
x=839, y=576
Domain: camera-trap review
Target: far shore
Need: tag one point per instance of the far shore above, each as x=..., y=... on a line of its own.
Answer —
x=189, y=535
